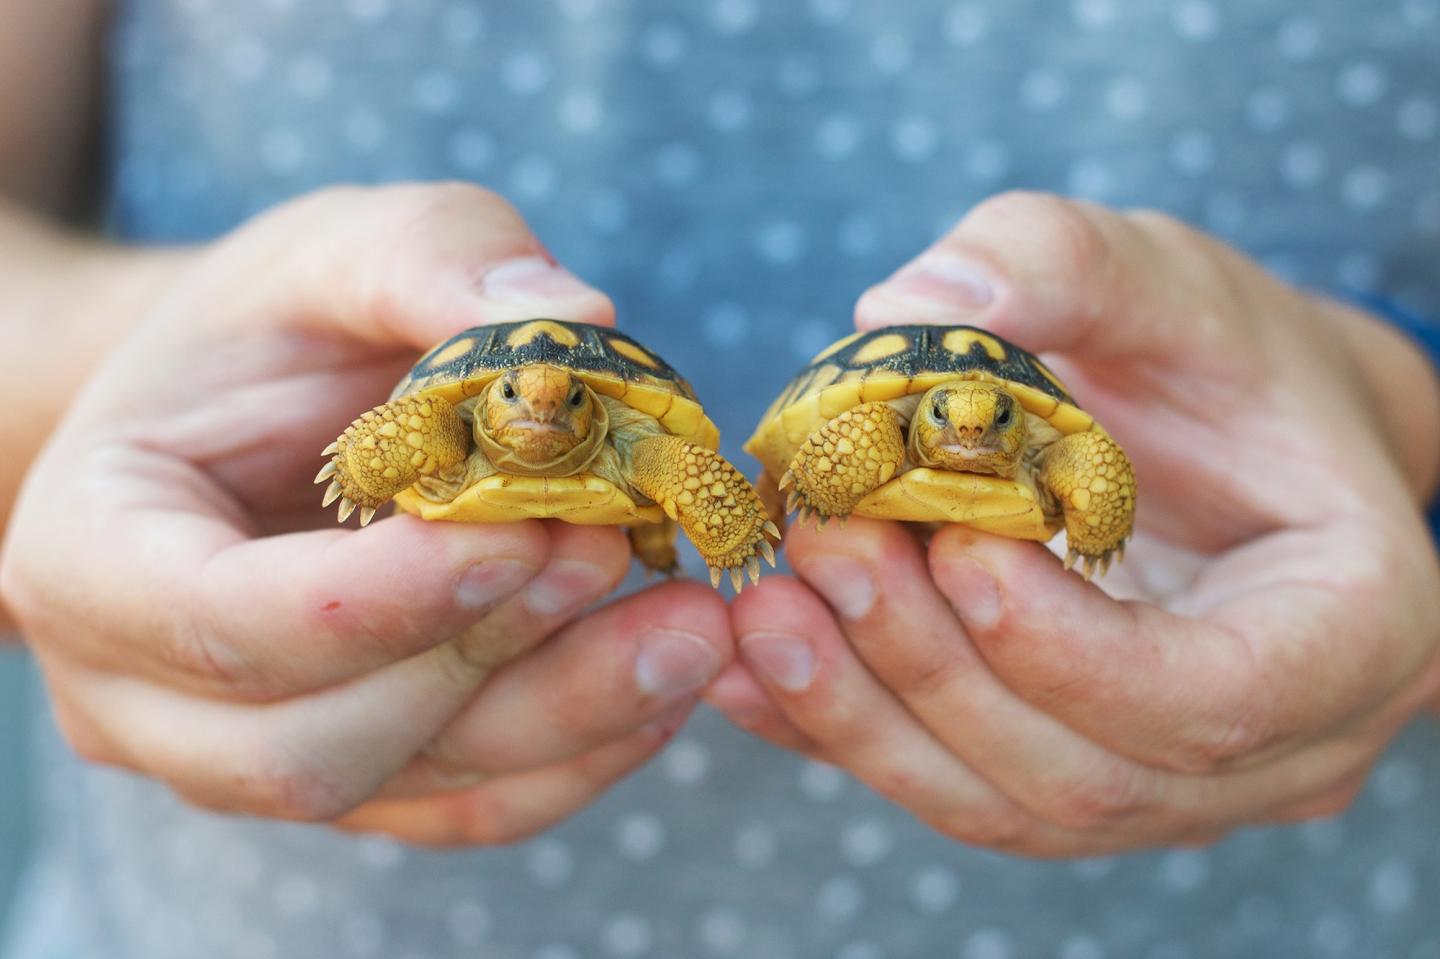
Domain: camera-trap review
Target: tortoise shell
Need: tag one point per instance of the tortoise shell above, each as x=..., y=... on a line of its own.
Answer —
x=609, y=362
x=898, y=361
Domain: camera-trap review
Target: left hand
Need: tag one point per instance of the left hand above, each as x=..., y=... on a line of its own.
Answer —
x=1276, y=622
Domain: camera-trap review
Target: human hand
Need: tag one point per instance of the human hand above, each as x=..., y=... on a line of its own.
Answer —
x=200, y=619
x=1277, y=618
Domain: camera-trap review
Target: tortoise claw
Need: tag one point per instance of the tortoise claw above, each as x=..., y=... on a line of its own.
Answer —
x=331, y=450
x=331, y=494
x=367, y=513
x=715, y=576
x=793, y=501
x=752, y=570
x=326, y=471
x=768, y=552
x=737, y=578
x=347, y=506
x=772, y=529
x=1070, y=557
x=786, y=480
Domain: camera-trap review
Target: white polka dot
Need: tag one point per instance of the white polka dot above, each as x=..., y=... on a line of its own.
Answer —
x=1196, y=19
x=1192, y=152
x=866, y=842
x=686, y=761
x=820, y=782
x=861, y=949
x=755, y=845
x=579, y=9
x=609, y=212
x=1081, y=946
x=1361, y=83
x=1184, y=870
x=722, y=931
x=799, y=76
x=724, y=324
x=1041, y=90
x=1298, y=39
x=1302, y=164
x=1397, y=781
x=1093, y=14
x=734, y=17
x=311, y=76
x=1392, y=886
x=837, y=135
x=462, y=24
x=678, y=269
x=966, y=24
x=282, y=151
x=1267, y=109
x=471, y=149
x=435, y=91
x=468, y=922
x=550, y=862
x=988, y=944
x=640, y=836
x=580, y=111
x=728, y=110
x=1090, y=178
x=296, y=895
x=626, y=934
x=840, y=898
x=1126, y=99
x=664, y=44
x=245, y=59
x=1418, y=118
x=807, y=338
x=1323, y=837
x=525, y=72
x=534, y=177
x=1359, y=271
x=859, y=234
x=1364, y=188
x=369, y=11
x=1093, y=869
x=556, y=950
x=935, y=889
x=890, y=53
x=1421, y=13
x=830, y=11
x=986, y=160
x=1427, y=221
x=781, y=242
x=364, y=128
x=363, y=934
x=914, y=139
x=1333, y=934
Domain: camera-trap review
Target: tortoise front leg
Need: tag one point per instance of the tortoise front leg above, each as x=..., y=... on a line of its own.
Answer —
x=387, y=449
x=710, y=499
x=1091, y=479
x=845, y=460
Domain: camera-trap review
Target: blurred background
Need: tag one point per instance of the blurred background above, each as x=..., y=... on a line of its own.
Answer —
x=15, y=691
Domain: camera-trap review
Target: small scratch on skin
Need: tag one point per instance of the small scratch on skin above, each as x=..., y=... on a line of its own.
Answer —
x=331, y=606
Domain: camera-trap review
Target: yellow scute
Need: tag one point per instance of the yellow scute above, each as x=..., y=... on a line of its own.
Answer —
x=585, y=500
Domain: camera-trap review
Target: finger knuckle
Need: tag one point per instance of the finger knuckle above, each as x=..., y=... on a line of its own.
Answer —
x=1105, y=799
x=996, y=827
x=1220, y=745
x=280, y=783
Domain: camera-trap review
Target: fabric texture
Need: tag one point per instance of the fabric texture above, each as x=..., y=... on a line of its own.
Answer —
x=735, y=173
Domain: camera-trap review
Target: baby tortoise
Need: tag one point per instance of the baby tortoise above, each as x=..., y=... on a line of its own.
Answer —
x=947, y=424
x=545, y=418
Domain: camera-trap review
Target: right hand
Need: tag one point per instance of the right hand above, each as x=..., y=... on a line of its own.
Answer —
x=200, y=619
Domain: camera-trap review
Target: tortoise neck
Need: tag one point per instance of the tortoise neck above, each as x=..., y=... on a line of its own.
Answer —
x=507, y=460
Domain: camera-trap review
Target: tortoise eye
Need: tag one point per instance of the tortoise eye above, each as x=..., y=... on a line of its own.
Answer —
x=1003, y=418
x=507, y=390
x=577, y=397
x=937, y=413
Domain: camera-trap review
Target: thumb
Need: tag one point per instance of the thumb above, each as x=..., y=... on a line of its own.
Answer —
x=1059, y=275
x=407, y=264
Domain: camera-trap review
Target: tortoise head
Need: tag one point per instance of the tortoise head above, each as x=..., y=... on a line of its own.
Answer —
x=540, y=412
x=969, y=427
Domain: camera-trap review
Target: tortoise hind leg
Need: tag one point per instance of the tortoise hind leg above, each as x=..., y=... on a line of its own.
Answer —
x=845, y=460
x=1091, y=479
x=654, y=546
x=710, y=499
x=388, y=448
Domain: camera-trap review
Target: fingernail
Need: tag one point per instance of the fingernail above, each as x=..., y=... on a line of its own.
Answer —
x=939, y=281
x=672, y=662
x=533, y=280
x=669, y=722
x=564, y=585
x=845, y=583
x=974, y=593
x=485, y=584
x=787, y=661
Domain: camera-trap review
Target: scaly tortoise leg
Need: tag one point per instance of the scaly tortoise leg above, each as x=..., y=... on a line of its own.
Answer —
x=711, y=500
x=654, y=546
x=390, y=447
x=844, y=461
x=1092, y=481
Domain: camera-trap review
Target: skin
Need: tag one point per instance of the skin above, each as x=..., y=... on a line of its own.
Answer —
x=1271, y=630
x=539, y=411
x=969, y=427
x=445, y=688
